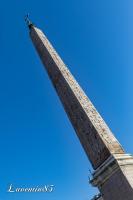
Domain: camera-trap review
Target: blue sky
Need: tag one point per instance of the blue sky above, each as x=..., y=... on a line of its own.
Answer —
x=38, y=145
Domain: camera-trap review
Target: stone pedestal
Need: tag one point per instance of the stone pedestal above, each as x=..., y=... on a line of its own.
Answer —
x=114, y=178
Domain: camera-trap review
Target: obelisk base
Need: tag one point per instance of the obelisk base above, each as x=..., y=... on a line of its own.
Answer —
x=114, y=178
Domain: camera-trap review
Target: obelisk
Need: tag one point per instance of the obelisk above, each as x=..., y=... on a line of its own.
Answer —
x=113, y=169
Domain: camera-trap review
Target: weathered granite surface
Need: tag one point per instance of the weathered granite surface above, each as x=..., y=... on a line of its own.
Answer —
x=95, y=136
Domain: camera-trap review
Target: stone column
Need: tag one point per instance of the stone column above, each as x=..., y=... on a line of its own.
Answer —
x=113, y=173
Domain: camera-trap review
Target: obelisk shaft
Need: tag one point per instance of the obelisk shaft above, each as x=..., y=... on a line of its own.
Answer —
x=95, y=136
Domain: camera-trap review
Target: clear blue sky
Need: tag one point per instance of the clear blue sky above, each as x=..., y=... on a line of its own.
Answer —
x=37, y=142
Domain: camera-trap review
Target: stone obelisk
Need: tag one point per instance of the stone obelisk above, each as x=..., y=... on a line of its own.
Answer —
x=113, y=169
